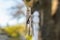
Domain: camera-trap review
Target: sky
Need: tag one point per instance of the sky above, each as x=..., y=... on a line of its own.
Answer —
x=6, y=8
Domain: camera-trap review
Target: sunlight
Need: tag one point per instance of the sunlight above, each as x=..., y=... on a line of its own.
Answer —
x=5, y=11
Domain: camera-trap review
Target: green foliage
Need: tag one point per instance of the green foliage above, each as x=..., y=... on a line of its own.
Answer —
x=28, y=0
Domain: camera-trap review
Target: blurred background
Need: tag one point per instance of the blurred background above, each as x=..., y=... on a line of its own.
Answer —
x=29, y=20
